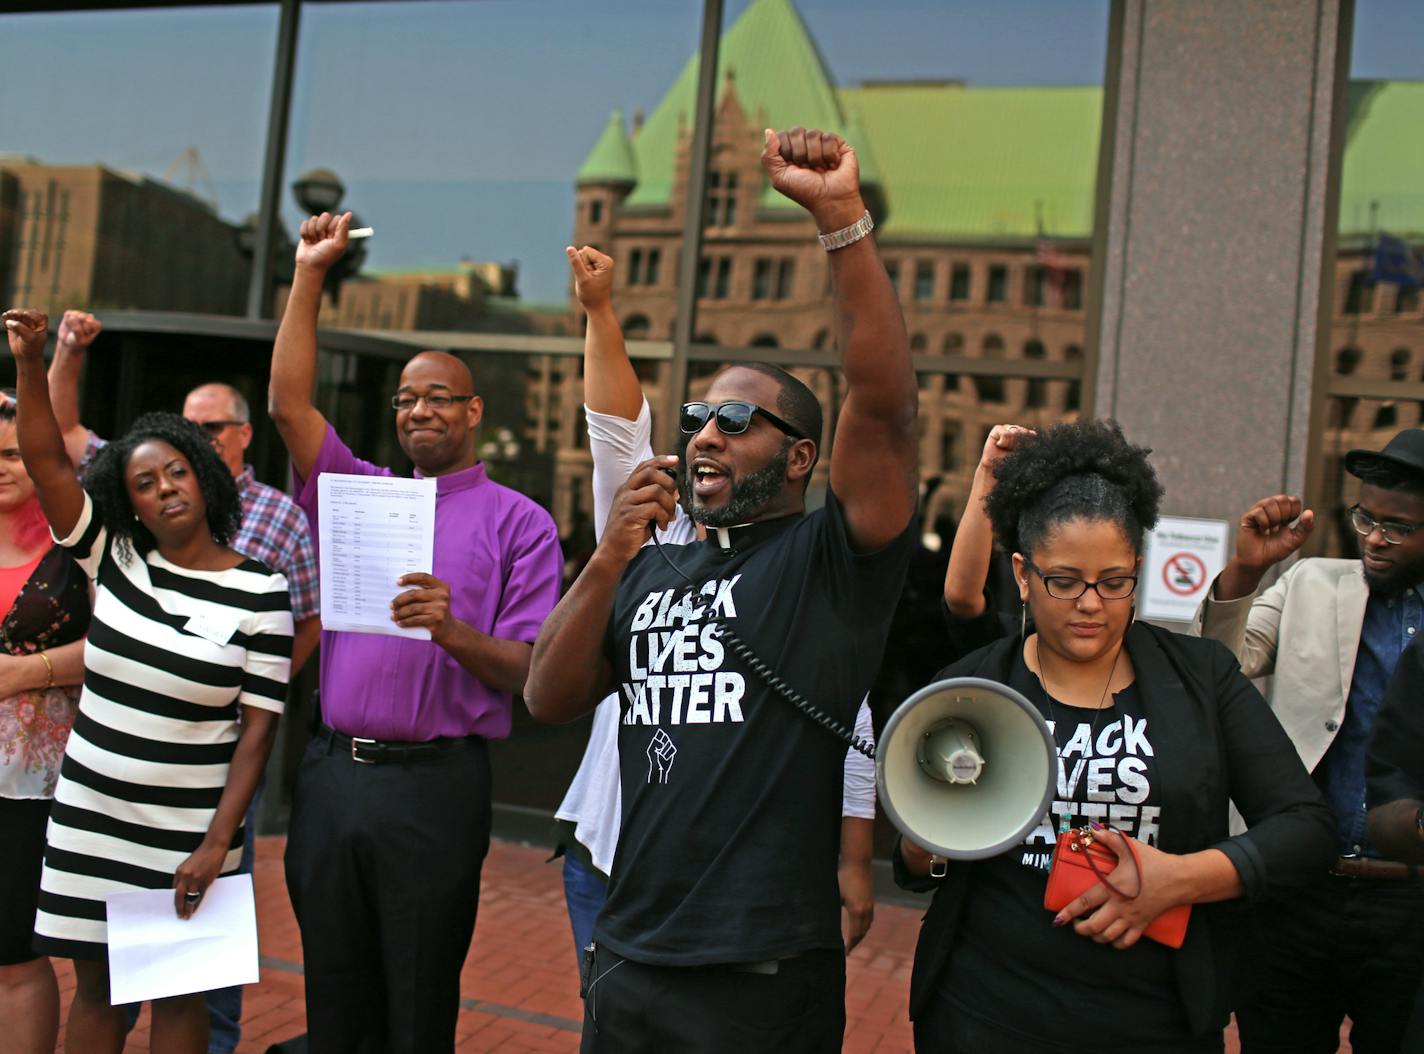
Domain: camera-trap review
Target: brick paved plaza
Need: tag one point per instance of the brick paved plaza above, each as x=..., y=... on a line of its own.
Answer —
x=519, y=985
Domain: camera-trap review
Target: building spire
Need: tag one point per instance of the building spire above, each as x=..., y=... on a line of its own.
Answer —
x=611, y=160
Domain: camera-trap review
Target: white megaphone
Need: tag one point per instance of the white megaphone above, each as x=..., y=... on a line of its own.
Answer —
x=966, y=768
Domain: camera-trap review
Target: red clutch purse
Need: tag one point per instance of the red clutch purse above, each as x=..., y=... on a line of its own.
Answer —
x=1079, y=863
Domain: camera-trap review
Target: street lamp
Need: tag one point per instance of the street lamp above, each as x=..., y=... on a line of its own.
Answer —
x=319, y=190
x=501, y=452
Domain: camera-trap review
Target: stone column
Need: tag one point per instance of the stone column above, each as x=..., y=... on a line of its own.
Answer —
x=1217, y=205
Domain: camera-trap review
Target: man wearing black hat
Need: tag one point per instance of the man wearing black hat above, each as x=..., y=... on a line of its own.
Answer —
x=1331, y=632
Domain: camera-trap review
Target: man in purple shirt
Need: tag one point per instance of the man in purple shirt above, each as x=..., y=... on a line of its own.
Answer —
x=391, y=811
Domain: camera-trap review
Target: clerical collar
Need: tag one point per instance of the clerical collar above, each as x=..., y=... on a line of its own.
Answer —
x=728, y=540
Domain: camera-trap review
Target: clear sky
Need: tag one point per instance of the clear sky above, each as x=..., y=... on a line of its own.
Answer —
x=458, y=126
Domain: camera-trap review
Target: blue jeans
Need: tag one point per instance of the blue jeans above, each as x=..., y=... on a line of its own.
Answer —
x=584, y=892
x=225, y=1004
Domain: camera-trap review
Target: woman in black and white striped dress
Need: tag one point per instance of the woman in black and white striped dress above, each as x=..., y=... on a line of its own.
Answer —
x=185, y=676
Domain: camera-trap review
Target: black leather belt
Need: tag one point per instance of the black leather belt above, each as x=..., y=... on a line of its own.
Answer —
x=386, y=751
x=1368, y=867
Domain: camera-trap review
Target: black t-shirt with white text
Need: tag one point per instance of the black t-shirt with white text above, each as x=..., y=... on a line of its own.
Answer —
x=731, y=797
x=1010, y=966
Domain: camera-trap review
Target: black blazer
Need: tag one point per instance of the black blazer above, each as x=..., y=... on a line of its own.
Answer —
x=1215, y=739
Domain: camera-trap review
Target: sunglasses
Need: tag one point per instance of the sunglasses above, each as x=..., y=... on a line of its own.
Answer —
x=733, y=418
x=215, y=428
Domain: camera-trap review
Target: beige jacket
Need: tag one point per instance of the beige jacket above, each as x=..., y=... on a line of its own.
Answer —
x=1304, y=631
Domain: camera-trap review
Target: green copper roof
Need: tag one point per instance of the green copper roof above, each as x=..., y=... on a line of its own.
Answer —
x=611, y=159
x=1384, y=158
x=777, y=73
x=960, y=162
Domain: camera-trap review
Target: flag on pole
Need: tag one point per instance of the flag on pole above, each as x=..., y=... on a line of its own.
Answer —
x=1396, y=262
x=1050, y=263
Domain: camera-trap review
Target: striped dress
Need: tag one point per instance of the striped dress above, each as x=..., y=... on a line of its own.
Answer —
x=148, y=758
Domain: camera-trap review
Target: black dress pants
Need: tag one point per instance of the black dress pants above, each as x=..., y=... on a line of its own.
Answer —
x=633, y=1008
x=943, y=1028
x=1342, y=946
x=383, y=866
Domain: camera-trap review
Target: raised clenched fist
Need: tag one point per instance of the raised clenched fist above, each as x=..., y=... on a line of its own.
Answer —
x=77, y=330
x=817, y=170
x=323, y=241
x=593, y=276
x=28, y=330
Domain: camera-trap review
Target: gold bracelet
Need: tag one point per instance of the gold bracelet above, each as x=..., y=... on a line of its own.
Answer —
x=50, y=667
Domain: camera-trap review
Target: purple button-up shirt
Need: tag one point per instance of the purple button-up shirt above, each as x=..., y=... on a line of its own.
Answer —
x=500, y=553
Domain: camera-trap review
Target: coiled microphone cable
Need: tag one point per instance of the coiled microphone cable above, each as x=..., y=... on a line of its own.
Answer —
x=740, y=648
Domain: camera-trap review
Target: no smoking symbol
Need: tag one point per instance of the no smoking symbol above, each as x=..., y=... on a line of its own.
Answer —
x=1184, y=574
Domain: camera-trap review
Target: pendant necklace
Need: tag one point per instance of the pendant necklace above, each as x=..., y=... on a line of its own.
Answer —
x=1065, y=823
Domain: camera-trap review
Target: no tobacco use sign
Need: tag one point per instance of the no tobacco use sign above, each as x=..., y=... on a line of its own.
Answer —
x=1184, y=555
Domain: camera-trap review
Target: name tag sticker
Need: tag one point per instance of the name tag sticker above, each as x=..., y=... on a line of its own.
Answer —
x=216, y=628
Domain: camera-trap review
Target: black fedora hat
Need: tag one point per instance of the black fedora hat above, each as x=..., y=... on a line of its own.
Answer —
x=1403, y=453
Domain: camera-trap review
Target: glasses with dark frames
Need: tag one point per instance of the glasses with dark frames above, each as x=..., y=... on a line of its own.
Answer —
x=1067, y=587
x=215, y=428
x=1393, y=531
x=405, y=401
x=733, y=418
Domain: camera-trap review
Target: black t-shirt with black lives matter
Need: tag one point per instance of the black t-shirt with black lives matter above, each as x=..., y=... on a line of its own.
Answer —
x=1010, y=967
x=731, y=796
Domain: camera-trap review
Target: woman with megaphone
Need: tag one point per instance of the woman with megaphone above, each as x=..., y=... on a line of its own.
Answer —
x=1156, y=734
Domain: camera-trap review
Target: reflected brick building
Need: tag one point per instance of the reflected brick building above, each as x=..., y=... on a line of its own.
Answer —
x=92, y=236
x=968, y=186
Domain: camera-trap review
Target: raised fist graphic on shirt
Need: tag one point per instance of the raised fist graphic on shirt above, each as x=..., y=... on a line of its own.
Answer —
x=661, y=751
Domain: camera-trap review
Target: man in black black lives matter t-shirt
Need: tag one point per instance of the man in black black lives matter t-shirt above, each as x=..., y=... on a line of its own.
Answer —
x=721, y=929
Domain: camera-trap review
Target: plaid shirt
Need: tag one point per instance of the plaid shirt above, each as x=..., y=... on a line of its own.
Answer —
x=274, y=531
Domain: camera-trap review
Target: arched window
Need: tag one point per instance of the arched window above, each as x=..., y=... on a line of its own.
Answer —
x=1399, y=364
x=953, y=345
x=990, y=389
x=822, y=340
x=1036, y=391
x=765, y=340
x=636, y=327
x=918, y=343
x=1073, y=401
x=1346, y=359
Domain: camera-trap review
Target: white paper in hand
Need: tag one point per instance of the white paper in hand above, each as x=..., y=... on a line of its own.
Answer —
x=373, y=530
x=154, y=954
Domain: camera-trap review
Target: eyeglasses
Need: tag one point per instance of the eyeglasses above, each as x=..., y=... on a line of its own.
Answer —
x=733, y=418
x=1394, y=533
x=215, y=428
x=405, y=401
x=1066, y=587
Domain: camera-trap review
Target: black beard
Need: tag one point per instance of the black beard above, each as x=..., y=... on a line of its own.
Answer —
x=750, y=495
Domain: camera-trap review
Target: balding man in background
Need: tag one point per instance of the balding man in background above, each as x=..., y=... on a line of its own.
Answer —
x=273, y=531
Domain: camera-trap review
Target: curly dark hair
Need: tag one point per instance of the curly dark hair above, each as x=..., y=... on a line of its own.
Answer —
x=1083, y=470
x=106, y=485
